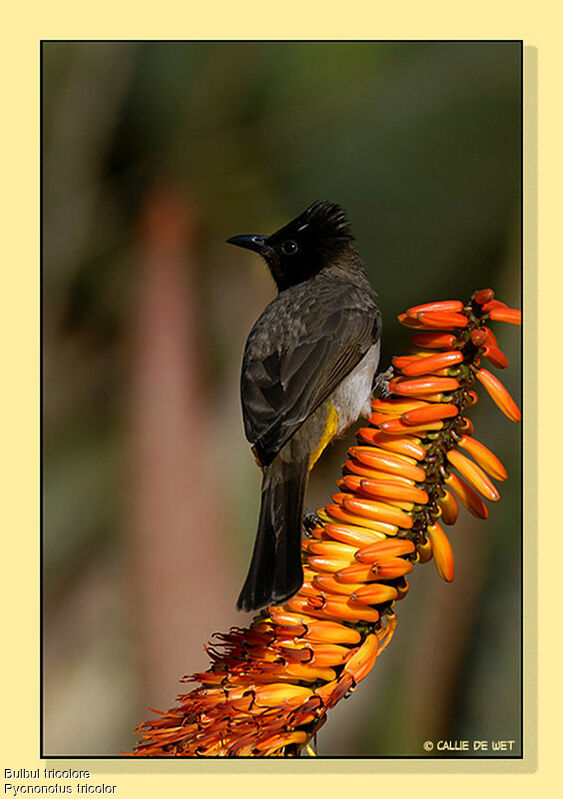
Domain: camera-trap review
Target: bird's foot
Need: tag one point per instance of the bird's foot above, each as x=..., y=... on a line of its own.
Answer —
x=310, y=521
x=381, y=383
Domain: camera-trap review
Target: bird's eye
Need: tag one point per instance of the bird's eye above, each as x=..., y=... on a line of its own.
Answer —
x=289, y=247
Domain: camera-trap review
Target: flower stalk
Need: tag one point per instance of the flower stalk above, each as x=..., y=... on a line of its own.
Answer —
x=270, y=686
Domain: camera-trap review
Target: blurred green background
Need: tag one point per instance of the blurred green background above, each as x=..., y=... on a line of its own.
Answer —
x=153, y=154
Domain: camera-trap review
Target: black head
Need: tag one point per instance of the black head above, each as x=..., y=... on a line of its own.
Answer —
x=300, y=249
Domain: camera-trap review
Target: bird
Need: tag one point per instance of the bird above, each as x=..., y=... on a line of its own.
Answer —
x=307, y=374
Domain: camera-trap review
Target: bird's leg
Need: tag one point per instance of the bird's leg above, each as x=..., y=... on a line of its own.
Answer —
x=381, y=383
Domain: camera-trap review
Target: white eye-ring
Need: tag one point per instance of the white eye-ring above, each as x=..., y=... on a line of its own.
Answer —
x=289, y=247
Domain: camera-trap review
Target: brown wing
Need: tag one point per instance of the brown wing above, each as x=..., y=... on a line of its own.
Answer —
x=283, y=384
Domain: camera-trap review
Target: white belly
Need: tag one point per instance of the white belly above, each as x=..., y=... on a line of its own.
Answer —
x=352, y=397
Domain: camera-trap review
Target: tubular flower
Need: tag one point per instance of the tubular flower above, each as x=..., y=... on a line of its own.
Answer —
x=270, y=685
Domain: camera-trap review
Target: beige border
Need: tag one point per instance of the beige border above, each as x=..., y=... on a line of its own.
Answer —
x=19, y=336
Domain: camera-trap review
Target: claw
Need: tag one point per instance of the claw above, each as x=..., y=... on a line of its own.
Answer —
x=310, y=521
x=381, y=383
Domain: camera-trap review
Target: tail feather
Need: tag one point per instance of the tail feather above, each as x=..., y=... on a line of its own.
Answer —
x=276, y=572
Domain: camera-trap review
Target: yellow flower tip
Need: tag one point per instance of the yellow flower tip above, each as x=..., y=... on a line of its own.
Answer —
x=442, y=552
x=499, y=395
x=473, y=474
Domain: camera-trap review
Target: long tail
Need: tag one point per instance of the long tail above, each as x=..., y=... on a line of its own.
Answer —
x=275, y=571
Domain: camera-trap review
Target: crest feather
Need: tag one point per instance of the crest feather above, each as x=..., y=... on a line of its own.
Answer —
x=328, y=218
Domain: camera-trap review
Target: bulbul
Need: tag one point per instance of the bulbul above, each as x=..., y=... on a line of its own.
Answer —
x=307, y=374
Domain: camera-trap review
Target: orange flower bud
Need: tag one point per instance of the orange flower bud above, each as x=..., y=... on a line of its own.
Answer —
x=483, y=295
x=280, y=694
x=345, y=608
x=356, y=536
x=499, y=395
x=329, y=584
x=449, y=507
x=375, y=594
x=397, y=405
x=378, y=511
x=490, y=338
x=444, y=306
x=473, y=474
x=388, y=462
x=399, y=427
x=442, y=320
x=361, y=662
x=407, y=321
x=432, y=363
x=338, y=513
x=404, y=445
x=478, y=337
x=425, y=385
x=488, y=306
x=384, y=549
x=329, y=632
x=431, y=413
x=466, y=496
x=495, y=356
x=355, y=467
x=382, y=489
x=510, y=315
x=434, y=341
x=442, y=552
x=484, y=457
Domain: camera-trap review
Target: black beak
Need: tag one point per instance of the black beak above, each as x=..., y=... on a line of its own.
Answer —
x=255, y=243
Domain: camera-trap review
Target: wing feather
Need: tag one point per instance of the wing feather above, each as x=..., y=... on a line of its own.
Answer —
x=287, y=375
